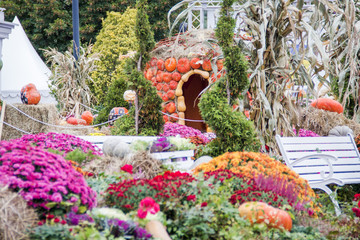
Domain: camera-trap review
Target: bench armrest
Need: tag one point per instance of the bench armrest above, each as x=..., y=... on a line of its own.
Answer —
x=326, y=157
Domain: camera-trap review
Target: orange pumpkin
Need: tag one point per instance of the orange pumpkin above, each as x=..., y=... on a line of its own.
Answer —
x=220, y=64
x=254, y=211
x=170, y=107
x=149, y=74
x=328, y=104
x=72, y=121
x=166, y=118
x=207, y=65
x=153, y=61
x=159, y=76
x=161, y=64
x=173, y=85
x=30, y=95
x=194, y=63
x=88, y=117
x=171, y=94
x=174, y=117
x=183, y=65
x=176, y=76
x=279, y=219
x=165, y=87
x=170, y=64
x=165, y=98
x=167, y=77
x=159, y=94
x=81, y=122
x=159, y=86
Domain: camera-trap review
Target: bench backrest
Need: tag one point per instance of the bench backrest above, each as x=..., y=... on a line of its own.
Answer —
x=346, y=166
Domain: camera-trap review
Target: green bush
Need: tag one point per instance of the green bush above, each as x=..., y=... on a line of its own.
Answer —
x=116, y=38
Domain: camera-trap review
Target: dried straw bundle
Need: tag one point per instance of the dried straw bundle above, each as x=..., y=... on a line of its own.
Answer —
x=321, y=122
x=144, y=164
x=15, y=216
x=44, y=112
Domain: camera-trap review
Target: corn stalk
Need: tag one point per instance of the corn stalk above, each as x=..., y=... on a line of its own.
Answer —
x=70, y=78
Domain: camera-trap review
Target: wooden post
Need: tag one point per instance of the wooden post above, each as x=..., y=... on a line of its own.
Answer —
x=2, y=117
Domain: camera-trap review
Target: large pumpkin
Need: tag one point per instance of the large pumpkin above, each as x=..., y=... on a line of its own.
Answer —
x=88, y=117
x=30, y=95
x=328, y=104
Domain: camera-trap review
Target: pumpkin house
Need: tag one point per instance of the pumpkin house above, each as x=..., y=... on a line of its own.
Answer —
x=181, y=68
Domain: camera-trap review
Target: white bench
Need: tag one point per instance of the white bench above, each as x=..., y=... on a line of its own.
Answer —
x=181, y=160
x=322, y=161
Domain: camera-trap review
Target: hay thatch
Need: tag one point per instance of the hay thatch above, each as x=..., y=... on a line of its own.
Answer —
x=321, y=122
x=44, y=112
x=16, y=217
x=189, y=44
x=144, y=165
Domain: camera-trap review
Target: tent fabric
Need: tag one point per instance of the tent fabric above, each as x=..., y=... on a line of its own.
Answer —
x=22, y=65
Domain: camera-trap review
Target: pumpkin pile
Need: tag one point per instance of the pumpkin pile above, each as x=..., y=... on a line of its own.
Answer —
x=86, y=119
x=169, y=75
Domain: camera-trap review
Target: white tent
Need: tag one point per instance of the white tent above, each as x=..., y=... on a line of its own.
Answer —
x=22, y=65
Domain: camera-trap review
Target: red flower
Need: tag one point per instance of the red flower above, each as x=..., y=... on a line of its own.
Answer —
x=147, y=205
x=40, y=223
x=56, y=220
x=191, y=198
x=63, y=222
x=50, y=216
x=204, y=204
x=127, y=168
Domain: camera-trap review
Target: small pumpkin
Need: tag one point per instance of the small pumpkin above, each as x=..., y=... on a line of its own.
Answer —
x=195, y=63
x=220, y=64
x=171, y=94
x=88, y=117
x=159, y=94
x=170, y=107
x=159, y=86
x=170, y=64
x=81, y=122
x=207, y=65
x=149, y=74
x=30, y=95
x=72, y=121
x=328, y=104
x=173, y=85
x=160, y=64
x=165, y=87
x=340, y=131
x=153, y=61
x=167, y=77
x=166, y=118
x=165, y=98
x=176, y=76
x=159, y=76
x=174, y=117
x=183, y=65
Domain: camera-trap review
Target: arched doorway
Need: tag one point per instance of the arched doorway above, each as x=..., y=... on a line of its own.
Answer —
x=191, y=89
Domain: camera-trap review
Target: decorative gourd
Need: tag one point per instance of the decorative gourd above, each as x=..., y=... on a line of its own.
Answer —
x=72, y=121
x=186, y=76
x=165, y=87
x=30, y=95
x=88, y=117
x=167, y=77
x=170, y=64
x=181, y=104
x=328, y=104
x=179, y=91
x=183, y=65
x=207, y=65
x=340, y=131
x=181, y=118
x=194, y=63
x=161, y=64
x=204, y=74
x=173, y=85
x=115, y=113
x=220, y=64
x=170, y=107
x=176, y=76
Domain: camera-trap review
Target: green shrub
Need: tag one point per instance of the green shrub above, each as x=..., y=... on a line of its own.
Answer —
x=116, y=38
